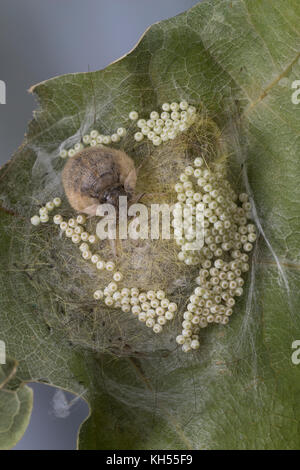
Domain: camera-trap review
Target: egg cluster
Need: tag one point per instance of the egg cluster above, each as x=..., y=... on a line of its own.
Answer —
x=151, y=307
x=44, y=211
x=159, y=128
x=210, y=204
x=74, y=229
x=211, y=227
x=92, y=139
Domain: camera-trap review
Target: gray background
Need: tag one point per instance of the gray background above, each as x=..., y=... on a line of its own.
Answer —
x=38, y=40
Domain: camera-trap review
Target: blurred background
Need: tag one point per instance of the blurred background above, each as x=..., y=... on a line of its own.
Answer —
x=39, y=40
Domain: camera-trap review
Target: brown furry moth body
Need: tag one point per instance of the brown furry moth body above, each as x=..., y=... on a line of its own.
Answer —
x=98, y=175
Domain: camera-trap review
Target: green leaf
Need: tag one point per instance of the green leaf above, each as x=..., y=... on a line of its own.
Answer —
x=241, y=390
x=15, y=407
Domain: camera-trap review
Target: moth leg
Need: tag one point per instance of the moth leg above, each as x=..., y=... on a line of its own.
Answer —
x=137, y=199
x=91, y=210
x=130, y=181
